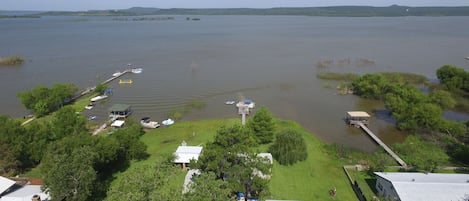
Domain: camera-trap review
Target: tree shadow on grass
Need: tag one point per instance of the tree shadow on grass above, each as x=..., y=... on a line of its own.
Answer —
x=371, y=182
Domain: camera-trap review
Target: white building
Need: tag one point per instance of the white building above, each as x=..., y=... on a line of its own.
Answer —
x=184, y=155
x=413, y=186
x=11, y=191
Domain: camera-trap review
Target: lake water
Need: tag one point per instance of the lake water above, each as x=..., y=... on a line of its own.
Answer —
x=269, y=59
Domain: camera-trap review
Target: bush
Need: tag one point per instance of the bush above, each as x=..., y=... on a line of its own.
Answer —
x=12, y=60
x=289, y=148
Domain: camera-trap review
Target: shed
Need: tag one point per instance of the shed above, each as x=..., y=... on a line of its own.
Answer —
x=184, y=154
x=354, y=117
x=120, y=111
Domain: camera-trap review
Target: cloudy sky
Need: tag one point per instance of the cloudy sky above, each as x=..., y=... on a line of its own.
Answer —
x=74, y=5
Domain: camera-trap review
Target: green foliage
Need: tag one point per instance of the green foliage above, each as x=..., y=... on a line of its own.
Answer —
x=100, y=88
x=421, y=154
x=370, y=86
x=67, y=122
x=42, y=100
x=289, y=148
x=70, y=176
x=146, y=183
x=206, y=187
x=262, y=124
x=11, y=61
x=230, y=157
x=453, y=78
x=337, y=76
x=443, y=99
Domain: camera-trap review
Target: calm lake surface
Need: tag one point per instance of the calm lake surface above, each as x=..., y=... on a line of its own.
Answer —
x=269, y=59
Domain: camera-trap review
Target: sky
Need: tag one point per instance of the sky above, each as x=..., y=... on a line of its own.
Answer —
x=82, y=5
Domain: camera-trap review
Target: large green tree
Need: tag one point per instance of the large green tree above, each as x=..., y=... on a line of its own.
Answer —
x=206, y=187
x=231, y=158
x=42, y=100
x=289, y=147
x=147, y=183
x=262, y=124
x=70, y=176
x=453, y=77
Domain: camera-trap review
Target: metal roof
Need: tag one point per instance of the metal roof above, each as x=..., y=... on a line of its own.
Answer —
x=26, y=193
x=415, y=186
x=184, y=154
x=357, y=114
x=5, y=184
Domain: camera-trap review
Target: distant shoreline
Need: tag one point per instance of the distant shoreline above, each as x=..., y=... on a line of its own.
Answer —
x=331, y=11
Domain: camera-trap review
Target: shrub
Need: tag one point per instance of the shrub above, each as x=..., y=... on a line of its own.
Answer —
x=289, y=148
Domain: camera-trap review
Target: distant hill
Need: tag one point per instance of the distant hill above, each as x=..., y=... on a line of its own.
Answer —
x=345, y=11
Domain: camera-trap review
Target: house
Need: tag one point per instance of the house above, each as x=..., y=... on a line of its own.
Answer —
x=21, y=189
x=184, y=154
x=414, y=186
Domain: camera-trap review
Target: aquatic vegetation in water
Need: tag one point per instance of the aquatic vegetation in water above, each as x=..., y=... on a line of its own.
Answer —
x=11, y=61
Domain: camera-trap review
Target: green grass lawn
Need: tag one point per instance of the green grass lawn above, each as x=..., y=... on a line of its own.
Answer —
x=311, y=179
x=308, y=180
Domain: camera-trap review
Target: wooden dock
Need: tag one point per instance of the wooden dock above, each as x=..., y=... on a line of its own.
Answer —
x=381, y=143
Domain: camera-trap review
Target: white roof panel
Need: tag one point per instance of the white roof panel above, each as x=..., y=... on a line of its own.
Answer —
x=357, y=114
x=26, y=193
x=184, y=154
x=118, y=123
x=5, y=184
x=429, y=186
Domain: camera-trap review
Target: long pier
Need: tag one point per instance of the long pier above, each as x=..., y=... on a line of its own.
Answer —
x=381, y=143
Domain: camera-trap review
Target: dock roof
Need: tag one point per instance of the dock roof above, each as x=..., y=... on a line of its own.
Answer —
x=5, y=184
x=357, y=114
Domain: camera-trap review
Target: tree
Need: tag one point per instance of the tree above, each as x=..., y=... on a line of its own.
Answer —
x=289, y=148
x=230, y=158
x=146, y=183
x=262, y=123
x=42, y=100
x=453, y=77
x=443, y=99
x=67, y=122
x=101, y=88
x=370, y=86
x=206, y=187
x=421, y=154
x=70, y=176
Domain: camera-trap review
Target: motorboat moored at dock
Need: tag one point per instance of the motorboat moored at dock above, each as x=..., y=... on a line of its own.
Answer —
x=147, y=123
x=98, y=98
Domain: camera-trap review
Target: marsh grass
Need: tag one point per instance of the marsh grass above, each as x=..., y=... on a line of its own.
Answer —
x=11, y=61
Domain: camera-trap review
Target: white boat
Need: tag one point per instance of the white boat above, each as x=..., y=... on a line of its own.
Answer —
x=98, y=98
x=117, y=74
x=89, y=106
x=136, y=70
x=247, y=102
x=147, y=123
x=91, y=118
x=230, y=102
x=467, y=58
x=167, y=122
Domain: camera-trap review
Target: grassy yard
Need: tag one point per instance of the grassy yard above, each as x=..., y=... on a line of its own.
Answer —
x=308, y=180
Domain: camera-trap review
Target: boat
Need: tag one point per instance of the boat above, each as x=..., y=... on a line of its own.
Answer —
x=98, y=98
x=117, y=74
x=91, y=118
x=167, y=122
x=147, y=123
x=467, y=58
x=89, y=106
x=136, y=70
x=230, y=102
x=129, y=81
x=246, y=102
